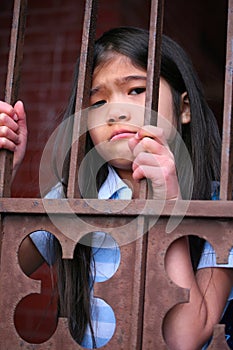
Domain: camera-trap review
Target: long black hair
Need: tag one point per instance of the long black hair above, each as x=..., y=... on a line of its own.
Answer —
x=201, y=137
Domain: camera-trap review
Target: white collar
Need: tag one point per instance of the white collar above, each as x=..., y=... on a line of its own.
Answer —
x=112, y=185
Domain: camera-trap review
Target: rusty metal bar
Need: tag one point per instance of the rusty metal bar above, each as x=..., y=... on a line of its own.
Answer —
x=218, y=341
x=95, y=207
x=11, y=93
x=149, y=284
x=82, y=99
x=154, y=60
x=12, y=85
x=162, y=294
x=159, y=287
x=150, y=117
x=153, y=71
x=227, y=138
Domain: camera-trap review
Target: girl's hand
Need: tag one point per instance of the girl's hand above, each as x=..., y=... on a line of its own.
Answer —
x=13, y=131
x=154, y=161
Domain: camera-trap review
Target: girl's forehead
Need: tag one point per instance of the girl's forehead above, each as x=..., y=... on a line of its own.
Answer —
x=113, y=58
x=118, y=70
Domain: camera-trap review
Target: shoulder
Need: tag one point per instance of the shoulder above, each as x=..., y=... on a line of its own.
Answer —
x=43, y=241
x=56, y=192
x=208, y=258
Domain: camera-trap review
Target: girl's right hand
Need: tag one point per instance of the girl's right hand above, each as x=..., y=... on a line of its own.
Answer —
x=13, y=131
x=154, y=160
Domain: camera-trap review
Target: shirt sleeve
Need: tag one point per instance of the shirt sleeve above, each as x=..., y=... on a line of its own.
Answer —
x=208, y=258
x=43, y=241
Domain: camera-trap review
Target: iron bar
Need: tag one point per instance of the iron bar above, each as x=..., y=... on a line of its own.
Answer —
x=142, y=267
x=154, y=61
x=12, y=85
x=82, y=99
x=153, y=72
x=227, y=138
x=96, y=207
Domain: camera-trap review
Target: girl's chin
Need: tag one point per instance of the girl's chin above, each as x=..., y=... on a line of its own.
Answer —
x=121, y=164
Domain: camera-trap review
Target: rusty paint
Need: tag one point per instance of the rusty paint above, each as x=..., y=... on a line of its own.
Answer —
x=227, y=136
x=82, y=97
x=140, y=292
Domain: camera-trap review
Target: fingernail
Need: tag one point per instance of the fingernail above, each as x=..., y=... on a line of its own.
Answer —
x=15, y=117
x=137, y=136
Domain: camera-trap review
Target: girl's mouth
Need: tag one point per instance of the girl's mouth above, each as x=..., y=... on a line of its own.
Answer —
x=122, y=135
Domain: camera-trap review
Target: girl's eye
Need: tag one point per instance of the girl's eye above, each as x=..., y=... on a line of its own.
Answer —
x=137, y=91
x=98, y=104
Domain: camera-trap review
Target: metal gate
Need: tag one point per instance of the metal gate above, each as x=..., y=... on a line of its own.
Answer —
x=140, y=312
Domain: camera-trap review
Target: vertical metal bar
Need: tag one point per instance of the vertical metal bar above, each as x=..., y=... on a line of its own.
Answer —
x=227, y=138
x=153, y=71
x=11, y=93
x=83, y=91
x=12, y=85
x=154, y=60
x=151, y=109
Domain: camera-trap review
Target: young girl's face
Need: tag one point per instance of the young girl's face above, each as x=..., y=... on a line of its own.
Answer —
x=116, y=110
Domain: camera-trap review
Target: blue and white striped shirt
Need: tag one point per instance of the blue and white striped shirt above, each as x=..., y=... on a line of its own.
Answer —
x=106, y=254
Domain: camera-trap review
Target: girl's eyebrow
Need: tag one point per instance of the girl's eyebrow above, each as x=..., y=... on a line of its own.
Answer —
x=119, y=81
x=132, y=77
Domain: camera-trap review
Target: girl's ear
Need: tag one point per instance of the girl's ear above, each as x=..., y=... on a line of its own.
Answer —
x=185, y=109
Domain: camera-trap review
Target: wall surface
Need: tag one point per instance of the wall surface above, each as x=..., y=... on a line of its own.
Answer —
x=52, y=44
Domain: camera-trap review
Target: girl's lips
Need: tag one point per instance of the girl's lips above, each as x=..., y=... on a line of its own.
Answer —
x=122, y=135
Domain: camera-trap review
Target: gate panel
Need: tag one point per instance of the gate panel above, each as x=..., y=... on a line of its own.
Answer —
x=140, y=292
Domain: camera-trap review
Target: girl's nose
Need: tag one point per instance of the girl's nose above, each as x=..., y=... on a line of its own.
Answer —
x=117, y=118
x=117, y=112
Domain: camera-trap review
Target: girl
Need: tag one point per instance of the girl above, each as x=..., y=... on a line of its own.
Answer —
x=126, y=149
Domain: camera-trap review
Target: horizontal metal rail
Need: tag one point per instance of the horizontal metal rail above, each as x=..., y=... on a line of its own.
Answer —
x=145, y=207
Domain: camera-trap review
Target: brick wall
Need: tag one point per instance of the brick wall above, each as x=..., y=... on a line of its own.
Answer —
x=52, y=45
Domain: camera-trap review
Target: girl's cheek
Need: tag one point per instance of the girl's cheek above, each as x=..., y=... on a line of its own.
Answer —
x=168, y=127
x=92, y=121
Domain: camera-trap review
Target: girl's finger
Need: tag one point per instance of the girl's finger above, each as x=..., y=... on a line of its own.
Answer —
x=148, y=132
x=7, y=109
x=151, y=146
x=153, y=132
x=7, y=133
x=153, y=164
x=6, y=120
x=153, y=160
x=163, y=180
x=22, y=120
x=7, y=144
x=19, y=109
